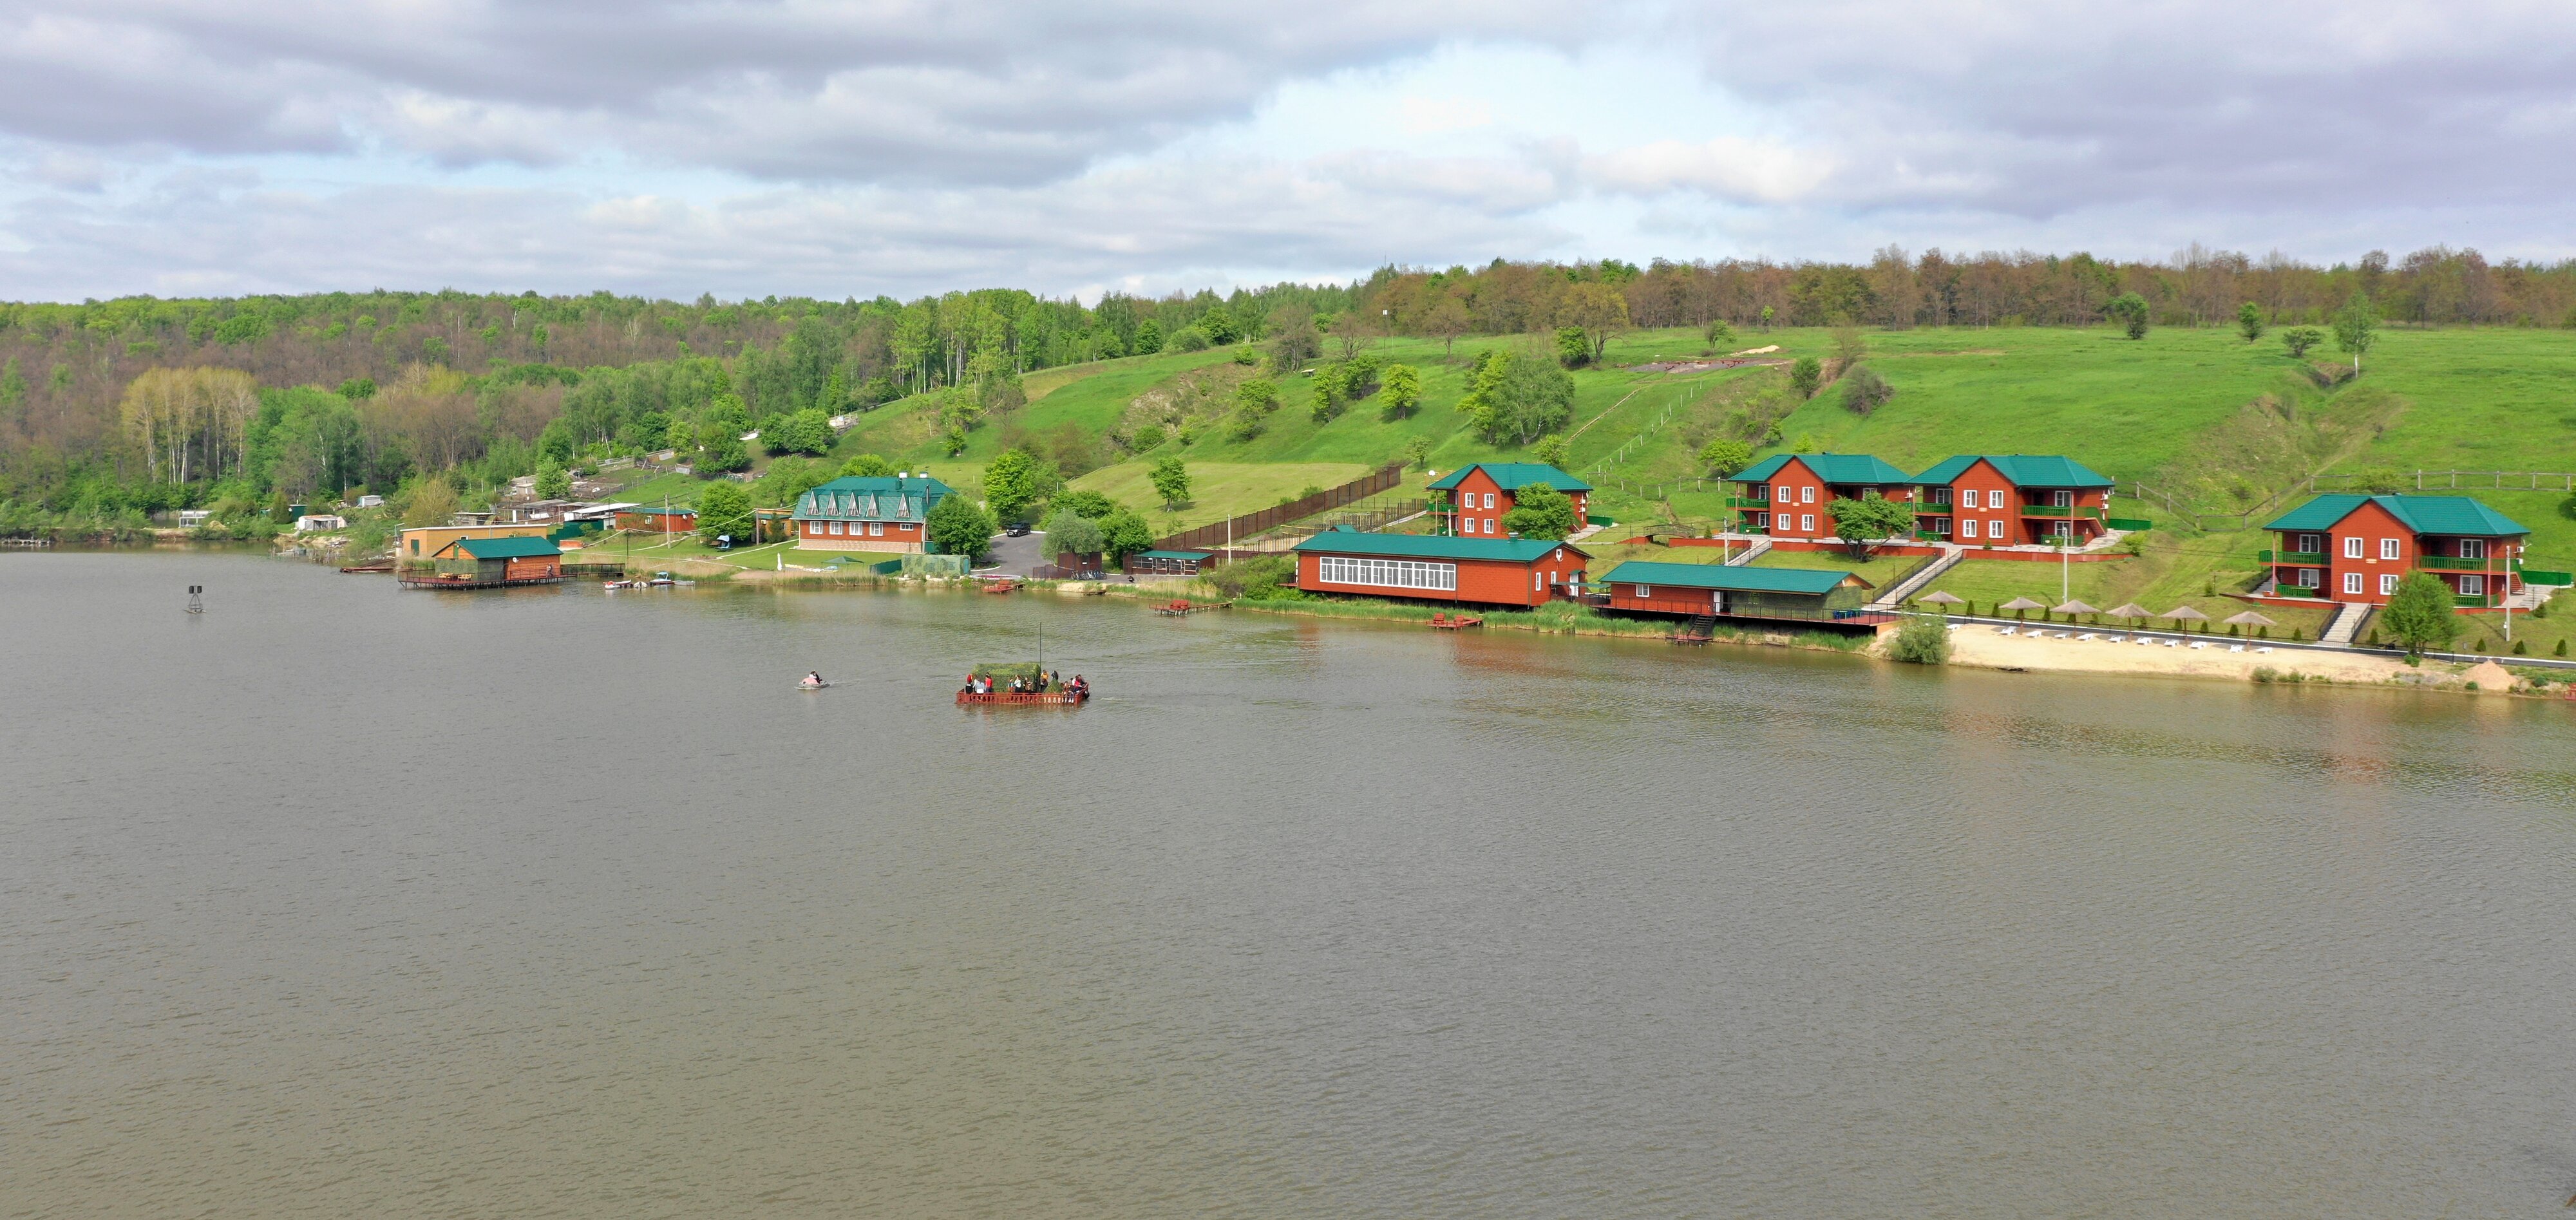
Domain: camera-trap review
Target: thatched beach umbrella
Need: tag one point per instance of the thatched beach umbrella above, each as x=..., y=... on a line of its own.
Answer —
x=2186, y=615
x=2130, y=611
x=1943, y=598
x=2023, y=605
x=2073, y=608
x=2250, y=619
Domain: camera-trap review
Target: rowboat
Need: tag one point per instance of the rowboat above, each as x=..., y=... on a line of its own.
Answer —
x=1024, y=698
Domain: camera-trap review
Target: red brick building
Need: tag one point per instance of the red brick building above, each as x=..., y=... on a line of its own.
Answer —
x=1786, y=496
x=1739, y=591
x=658, y=520
x=1438, y=567
x=1477, y=496
x=2353, y=548
x=2011, y=500
x=874, y=513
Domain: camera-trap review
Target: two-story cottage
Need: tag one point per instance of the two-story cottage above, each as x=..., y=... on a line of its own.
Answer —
x=1787, y=496
x=1995, y=499
x=2353, y=548
x=869, y=513
x=1479, y=495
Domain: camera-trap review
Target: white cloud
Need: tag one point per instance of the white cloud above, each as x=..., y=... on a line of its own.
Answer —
x=1731, y=168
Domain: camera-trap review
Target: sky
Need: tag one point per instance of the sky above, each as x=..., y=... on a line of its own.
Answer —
x=748, y=148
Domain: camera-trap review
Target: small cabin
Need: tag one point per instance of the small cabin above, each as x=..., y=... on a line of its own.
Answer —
x=496, y=561
x=1693, y=589
x=1170, y=563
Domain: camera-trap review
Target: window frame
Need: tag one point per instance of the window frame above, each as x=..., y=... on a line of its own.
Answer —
x=2388, y=548
x=2352, y=546
x=2388, y=584
x=2352, y=583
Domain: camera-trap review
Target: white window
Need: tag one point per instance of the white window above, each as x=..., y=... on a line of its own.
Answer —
x=1645, y=590
x=2352, y=550
x=1386, y=573
x=1972, y=499
x=1762, y=493
x=2473, y=548
x=2352, y=582
x=2311, y=578
x=2387, y=583
x=2388, y=548
x=1806, y=495
x=1968, y=525
x=2312, y=544
x=1940, y=525
x=2474, y=586
x=876, y=529
x=1784, y=495
x=834, y=527
x=1489, y=500
x=1806, y=523
x=2062, y=499
x=1995, y=529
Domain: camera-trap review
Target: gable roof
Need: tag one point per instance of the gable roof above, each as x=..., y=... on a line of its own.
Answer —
x=1513, y=476
x=523, y=546
x=881, y=497
x=1831, y=467
x=1432, y=546
x=2422, y=514
x=1738, y=579
x=2025, y=470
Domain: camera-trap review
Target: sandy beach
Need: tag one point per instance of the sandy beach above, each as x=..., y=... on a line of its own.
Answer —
x=1978, y=644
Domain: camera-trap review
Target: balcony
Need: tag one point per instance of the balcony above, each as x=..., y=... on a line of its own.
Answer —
x=2314, y=559
x=2470, y=600
x=2452, y=563
x=1930, y=536
x=2298, y=591
x=1747, y=502
x=1925, y=508
x=2084, y=512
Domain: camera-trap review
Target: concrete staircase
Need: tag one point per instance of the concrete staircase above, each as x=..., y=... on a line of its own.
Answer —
x=1759, y=545
x=2345, y=624
x=1896, y=594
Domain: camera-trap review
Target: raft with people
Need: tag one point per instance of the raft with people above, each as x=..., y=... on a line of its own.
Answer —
x=1022, y=684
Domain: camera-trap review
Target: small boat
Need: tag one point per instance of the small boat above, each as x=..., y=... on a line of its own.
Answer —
x=621, y=584
x=813, y=685
x=1179, y=606
x=1026, y=698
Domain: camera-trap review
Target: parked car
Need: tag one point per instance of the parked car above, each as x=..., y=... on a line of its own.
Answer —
x=1015, y=531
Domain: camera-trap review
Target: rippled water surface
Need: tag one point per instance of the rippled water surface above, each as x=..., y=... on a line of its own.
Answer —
x=339, y=900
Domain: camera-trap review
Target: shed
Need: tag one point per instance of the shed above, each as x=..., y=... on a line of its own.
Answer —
x=1172, y=563
x=1816, y=594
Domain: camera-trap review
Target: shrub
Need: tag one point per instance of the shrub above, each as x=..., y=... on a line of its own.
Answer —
x=1259, y=576
x=1864, y=391
x=1573, y=349
x=1805, y=375
x=2522, y=648
x=1187, y=339
x=2559, y=651
x=1921, y=641
x=1148, y=437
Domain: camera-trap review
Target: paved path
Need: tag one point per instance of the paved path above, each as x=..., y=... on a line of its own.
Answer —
x=1020, y=556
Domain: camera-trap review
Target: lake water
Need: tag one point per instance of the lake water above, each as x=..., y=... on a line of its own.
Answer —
x=343, y=900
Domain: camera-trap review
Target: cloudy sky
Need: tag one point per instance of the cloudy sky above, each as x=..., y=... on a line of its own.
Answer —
x=744, y=147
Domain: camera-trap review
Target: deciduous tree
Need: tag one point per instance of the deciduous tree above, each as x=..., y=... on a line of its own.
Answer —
x=1401, y=392
x=866, y=466
x=1541, y=511
x=1725, y=455
x=1171, y=480
x=957, y=527
x=2130, y=311
x=2249, y=321
x=724, y=511
x=2419, y=614
x=2356, y=328
x=1864, y=522
x=1013, y=481
x=1805, y=375
x=2298, y=339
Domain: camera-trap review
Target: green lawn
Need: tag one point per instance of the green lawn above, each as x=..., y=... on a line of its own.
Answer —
x=1879, y=570
x=2161, y=580
x=1218, y=490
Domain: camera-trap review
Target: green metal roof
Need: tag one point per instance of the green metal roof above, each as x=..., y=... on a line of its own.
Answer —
x=2025, y=470
x=660, y=512
x=1844, y=468
x=882, y=497
x=1178, y=554
x=519, y=547
x=1742, y=579
x=2423, y=514
x=1432, y=546
x=1513, y=476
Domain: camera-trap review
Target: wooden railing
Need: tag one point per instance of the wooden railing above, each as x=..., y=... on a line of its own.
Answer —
x=1250, y=524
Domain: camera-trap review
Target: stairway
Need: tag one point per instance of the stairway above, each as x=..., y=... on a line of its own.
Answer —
x=1894, y=597
x=2345, y=624
x=1759, y=545
x=1700, y=630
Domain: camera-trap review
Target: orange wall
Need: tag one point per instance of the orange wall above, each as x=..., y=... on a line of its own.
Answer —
x=1485, y=581
x=1488, y=522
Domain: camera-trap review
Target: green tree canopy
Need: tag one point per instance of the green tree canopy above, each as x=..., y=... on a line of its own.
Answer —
x=2356, y=328
x=553, y=481
x=1123, y=533
x=1401, y=392
x=1171, y=480
x=1572, y=349
x=2249, y=321
x=1725, y=455
x=957, y=527
x=2130, y=311
x=1864, y=391
x=724, y=510
x=1923, y=640
x=1068, y=530
x=1087, y=502
x=866, y=466
x=807, y=432
x=1517, y=397
x=1720, y=335
x=432, y=502
x=1014, y=481
x=1805, y=374
x=1541, y=511
x=1863, y=522
x=2420, y=614
x=2298, y=339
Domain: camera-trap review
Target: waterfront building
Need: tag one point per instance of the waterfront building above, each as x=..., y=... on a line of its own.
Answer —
x=518, y=559
x=870, y=513
x=1471, y=500
x=2349, y=547
x=1170, y=563
x=1993, y=499
x=422, y=543
x=658, y=520
x=1786, y=496
x=1743, y=591
x=1440, y=567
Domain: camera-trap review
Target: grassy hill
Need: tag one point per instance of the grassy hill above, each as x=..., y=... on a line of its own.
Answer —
x=2202, y=415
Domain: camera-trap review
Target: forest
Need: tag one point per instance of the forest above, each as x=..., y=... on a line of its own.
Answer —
x=114, y=410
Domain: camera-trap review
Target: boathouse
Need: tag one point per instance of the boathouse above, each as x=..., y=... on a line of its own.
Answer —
x=1439, y=567
x=1741, y=591
x=2349, y=547
x=423, y=543
x=869, y=513
x=2011, y=500
x=1170, y=563
x=499, y=561
x=1474, y=498
x=1787, y=496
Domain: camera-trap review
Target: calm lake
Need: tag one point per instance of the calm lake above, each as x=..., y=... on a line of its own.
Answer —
x=344, y=900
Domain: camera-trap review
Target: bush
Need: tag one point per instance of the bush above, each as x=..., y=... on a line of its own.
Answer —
x=2559, y=651
x=1921, y=641
x=2521, y=648
x=1805, y=375
x=1148, y=438
x=1259, y=576
x=1187, y=339
x=1864, y=391
x=1573, y=350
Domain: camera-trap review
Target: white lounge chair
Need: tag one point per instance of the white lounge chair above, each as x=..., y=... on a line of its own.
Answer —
x=2088, y=636
x=2003, y=631
x=2145, y=642
x=2266, y=648
x=2200, y=643
x=2236, y=648
x=2173, y=643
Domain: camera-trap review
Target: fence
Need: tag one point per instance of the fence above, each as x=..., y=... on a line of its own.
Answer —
x=1250, y=524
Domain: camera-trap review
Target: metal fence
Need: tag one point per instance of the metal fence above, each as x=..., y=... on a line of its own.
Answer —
x=1253, y=523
